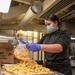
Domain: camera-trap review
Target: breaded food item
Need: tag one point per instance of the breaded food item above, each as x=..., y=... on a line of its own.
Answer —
x=5, y=73
x=27, y=67
x=21, y=54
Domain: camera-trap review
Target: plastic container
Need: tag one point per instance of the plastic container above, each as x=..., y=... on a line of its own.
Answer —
x=21, y=52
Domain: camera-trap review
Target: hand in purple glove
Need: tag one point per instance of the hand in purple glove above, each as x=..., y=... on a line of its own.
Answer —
x=33, y=47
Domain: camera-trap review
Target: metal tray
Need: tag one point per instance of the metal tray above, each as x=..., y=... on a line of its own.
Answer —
x=54, y=72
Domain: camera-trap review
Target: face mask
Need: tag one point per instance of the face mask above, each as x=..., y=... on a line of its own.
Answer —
x=50, y=28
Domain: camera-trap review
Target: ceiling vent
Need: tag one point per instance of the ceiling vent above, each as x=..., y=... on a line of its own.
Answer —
x=62, y=4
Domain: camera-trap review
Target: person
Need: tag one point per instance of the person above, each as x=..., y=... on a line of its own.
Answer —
x=55, y=44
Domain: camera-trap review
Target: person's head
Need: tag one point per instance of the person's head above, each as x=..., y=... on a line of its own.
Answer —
x=52, y=23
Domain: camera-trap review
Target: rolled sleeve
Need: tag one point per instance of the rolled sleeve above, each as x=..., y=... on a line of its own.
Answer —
x=64, y=39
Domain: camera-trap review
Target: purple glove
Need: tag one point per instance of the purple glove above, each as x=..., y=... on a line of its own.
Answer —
x=33, y=47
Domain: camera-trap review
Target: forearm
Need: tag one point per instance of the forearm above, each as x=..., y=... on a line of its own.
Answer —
x=52, y=48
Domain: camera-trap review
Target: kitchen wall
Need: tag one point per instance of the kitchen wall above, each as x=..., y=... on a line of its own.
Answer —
x=68, y=26
x=29, y=27
x=7, y=32
x=65, y=25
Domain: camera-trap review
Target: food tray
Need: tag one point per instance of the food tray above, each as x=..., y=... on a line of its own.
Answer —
x=54, y=72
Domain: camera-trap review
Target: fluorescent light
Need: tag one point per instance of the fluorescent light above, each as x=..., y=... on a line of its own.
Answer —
x=72, y=38
x=4, y=6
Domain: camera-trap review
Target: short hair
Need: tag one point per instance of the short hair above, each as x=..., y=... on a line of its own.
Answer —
x=53, y=18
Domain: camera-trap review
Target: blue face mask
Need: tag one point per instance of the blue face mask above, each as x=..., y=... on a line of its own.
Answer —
x=50, y=28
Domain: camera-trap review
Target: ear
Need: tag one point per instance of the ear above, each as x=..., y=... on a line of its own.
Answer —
x=45, y=22
x=56, y=22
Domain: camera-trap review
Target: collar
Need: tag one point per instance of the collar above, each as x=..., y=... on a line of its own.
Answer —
x=56, y=31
